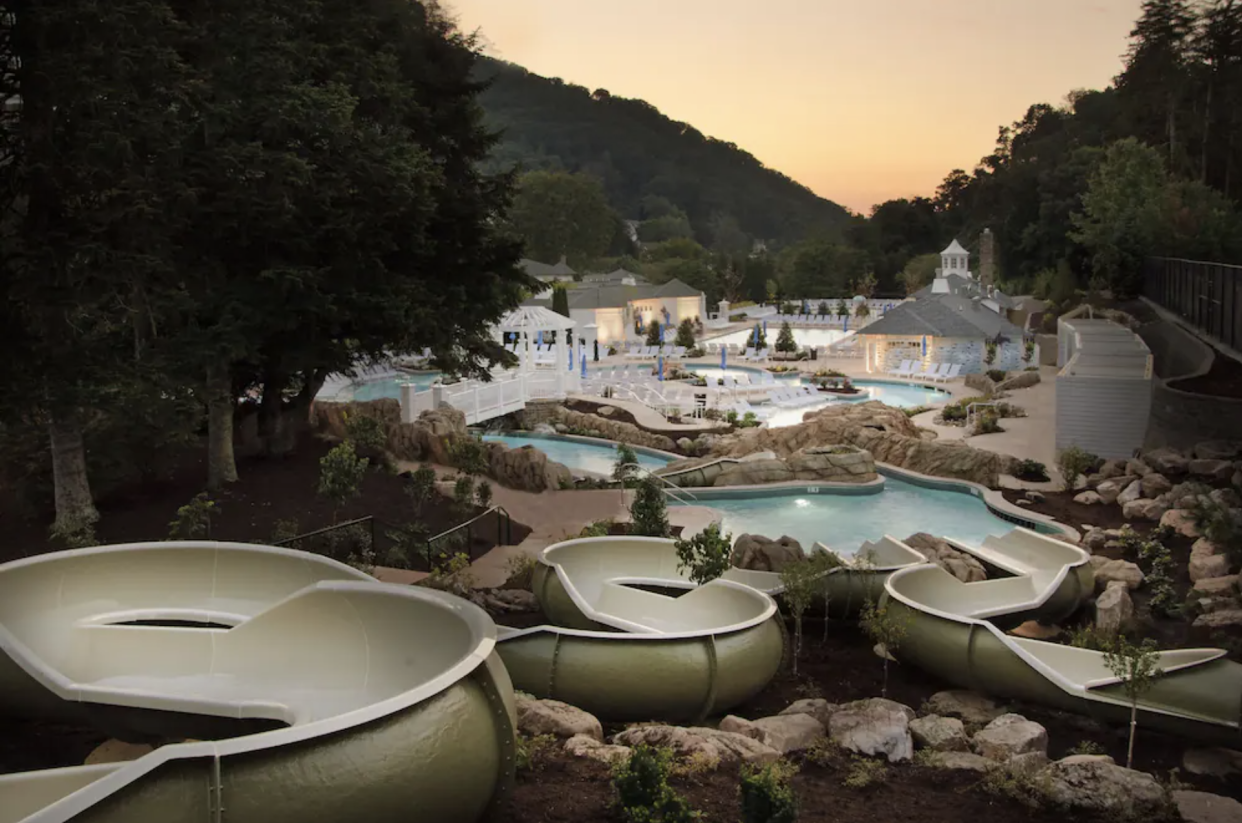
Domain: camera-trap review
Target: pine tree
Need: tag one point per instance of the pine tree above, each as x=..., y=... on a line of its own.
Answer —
x=1156, y=77
x=785, y=340
x=560, y=300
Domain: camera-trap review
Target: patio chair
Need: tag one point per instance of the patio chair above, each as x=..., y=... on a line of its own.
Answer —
x=904, y=370
x=947, y=372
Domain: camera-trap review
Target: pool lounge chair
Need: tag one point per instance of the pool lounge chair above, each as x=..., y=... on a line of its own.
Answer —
x=904, y=370
x=947, y=374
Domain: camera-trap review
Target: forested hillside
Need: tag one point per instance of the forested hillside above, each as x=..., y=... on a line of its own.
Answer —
x=637, y=153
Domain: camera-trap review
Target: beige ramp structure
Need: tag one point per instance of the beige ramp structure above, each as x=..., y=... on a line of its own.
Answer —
x=952, y=634
x=313, y=692
x=626, y=653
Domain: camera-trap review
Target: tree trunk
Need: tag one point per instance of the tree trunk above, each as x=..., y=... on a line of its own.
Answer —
x=221, y=465
x=1133, y=729
x=271, y=413
x=75, y=507
x=1207, y=128
x=884, y=682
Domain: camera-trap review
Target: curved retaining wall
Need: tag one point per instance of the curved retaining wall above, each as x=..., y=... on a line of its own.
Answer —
x=1180, y=418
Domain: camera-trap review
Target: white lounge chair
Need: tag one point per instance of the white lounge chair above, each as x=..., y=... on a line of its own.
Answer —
x=904, y=370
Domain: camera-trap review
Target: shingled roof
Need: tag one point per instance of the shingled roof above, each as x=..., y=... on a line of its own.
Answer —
x=943, y=315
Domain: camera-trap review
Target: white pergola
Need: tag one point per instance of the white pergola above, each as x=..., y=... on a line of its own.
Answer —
x=527, y=322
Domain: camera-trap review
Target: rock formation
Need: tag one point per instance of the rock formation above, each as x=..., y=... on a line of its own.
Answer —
x=821, y=464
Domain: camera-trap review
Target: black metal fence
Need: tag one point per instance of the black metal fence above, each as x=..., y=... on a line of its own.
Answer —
x=1206, y=295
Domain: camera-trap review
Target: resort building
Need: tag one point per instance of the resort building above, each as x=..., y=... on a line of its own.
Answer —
x=943, y=328
x=560, y=272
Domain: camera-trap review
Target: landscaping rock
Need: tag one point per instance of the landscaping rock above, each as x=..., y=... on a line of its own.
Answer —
x=1103, y=787
x=1137, y=467
x=1151, y=510
x=874, y=727
x=963, y=761
x=1208, y=566
x=1024, y=765
x=1021, y=380
x=1154, y=485
x=1180, y=521
x=1167, y=461
x=1219, y=620
x=789, y=732
x=1132, y=492
x=1110, y=490
x=816, y=707
x=1212, y=469
x=512, y=601
x=1213, y=762
x=1203, y=807
x=581, y=745
x=1114, y=608
x=1034, y=496
x=971, y=708
x=1228, y=584
x=1228, y=498
x=758, y=553
x=941, y=734
x=1111, y=469
x=1010, y=735
x=612, y=429
x=726, y=747
x=525, y=468
x=1034, y=630
x=536, y=717
x=938, y=551
x=1087, y=758
x=1094, y=540
x=1110, y=570
x=1088, y=499
x=1218, y=450
x=739, y=725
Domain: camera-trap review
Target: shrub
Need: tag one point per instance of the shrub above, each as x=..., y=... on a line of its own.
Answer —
x=649, y=512
x=366, y=432
x=989, y=356
x=642, y=791
x=469, y=454
x=653, y=333
x=600, y=528
x=865, y=772
x=1074, y=462
x=886, y=627
x=1088, y=747
x=463, y=494
x=1028, y=351
x=408, y=542
x=284, y=530
x=785, y=340
x=915, y=411
x=706, y=555
x=193, y=519
x=822, y=309
x=532, y=751
x=685, y=334
x=799, y=579
x=519, y=572
x=766, y=794
x=483, y=494
x=340, y=475
x=749, y=421
x=422, y=486
x=1136, y=666
x=623, y=466
x=1219, y=524
x=987, y=422
x=454, y=577
x=1031, y=471
x=996, y=375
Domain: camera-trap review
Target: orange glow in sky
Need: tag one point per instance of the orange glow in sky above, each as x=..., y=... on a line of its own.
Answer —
x=861, y=100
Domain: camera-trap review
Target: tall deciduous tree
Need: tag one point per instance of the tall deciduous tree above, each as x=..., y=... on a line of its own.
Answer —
x=560, y=214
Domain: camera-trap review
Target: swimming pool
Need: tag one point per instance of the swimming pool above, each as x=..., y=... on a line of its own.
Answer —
x=579, y=455
x=901, y=395
x=339, y=389
x=844, y=521
x=803, y=337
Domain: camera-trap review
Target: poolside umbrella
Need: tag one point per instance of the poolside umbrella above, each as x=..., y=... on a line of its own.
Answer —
x=539, y=339
x=924, y=345
x=765, y=329
x=724, y=357
x=582, y=359
x=660, y=367
x=804, y=311
x=571, y=355
x=756, y=340
x=846, y=327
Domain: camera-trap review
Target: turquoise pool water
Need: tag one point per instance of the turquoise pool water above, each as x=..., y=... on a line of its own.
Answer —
x=844, y=522
x=390, y=387
x=598, y=458
x=901, y=395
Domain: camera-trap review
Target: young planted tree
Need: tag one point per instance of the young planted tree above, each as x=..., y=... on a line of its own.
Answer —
x=685, y=334
x=785, y=340
x=822, y=309
x=653, y=333
x=887, y=628
x=649, y=512
x=560, y=300
x=800, y=580
x=842, y=309
x=1137, y=666
x=862, y=311
x=824, y=562
x=705, y=556
x=340, y=476
x=623, y=469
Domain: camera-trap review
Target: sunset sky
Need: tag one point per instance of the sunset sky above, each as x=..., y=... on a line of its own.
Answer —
x=861, y=100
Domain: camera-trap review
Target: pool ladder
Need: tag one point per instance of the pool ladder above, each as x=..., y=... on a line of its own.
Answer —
x=671, y=489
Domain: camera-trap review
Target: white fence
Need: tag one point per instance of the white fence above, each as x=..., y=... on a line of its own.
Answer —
x=482, y=401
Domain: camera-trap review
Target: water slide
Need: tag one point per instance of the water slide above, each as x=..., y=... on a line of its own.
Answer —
x=629, y=654
x=953, y=632
x=285, y=687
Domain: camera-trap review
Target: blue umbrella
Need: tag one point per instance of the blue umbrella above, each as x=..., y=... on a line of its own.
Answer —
x=765, y=329
x=539, y=339
x=924, y=345
x=846, y=327
x=724, y=358
x=571, y=355
x=804, y=311
x=660, y=367
x=756, y=340
x=582, y=357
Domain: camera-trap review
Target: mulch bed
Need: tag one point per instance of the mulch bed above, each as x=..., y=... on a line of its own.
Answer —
x=1224, y=379
x=269, y=490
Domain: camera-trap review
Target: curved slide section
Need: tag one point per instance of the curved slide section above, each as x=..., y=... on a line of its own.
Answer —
x=627, y=654
x=951, y=633
x=311, y=692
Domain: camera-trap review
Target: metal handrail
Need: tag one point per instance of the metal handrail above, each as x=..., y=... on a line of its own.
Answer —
x=503, y=521
x=368, y=520
x=642, y=470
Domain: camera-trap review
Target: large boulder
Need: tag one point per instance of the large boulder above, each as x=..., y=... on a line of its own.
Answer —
x=886, y=432
x=832, y=464
x=758, y=553
x=1103, y=788
x=1208, y=566
x=1114, y=608
x=1132, y=492
x=703, y=743
x=429, y=438
x=1204, y=807
x=816, y=707
x=613, y=429
x=971, y=708
x=874, y=727
x=961, y=761
x=582, y=745
x=536, y=717
x=1107, y=571
x=785, y=732
x=1009, y=736
x=1167, y=461
x=1220, y=470
x=1218, y=450
x=1111, y=489
x=1154, y=485
x=941, y=734
x=959, y=564
x=1021, y=380
x=1144, y=509
x=1223, y=619
x=526, y=468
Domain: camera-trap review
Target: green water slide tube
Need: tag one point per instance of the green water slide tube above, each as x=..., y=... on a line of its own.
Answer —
x=627, y=654
x=951, y=634
x=285, y=687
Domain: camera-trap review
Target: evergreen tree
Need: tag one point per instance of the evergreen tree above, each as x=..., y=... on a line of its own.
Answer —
x=685, y=334
x=785, y=340
x=560, y=300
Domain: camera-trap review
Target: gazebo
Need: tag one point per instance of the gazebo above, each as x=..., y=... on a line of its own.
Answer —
x=527, y=323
